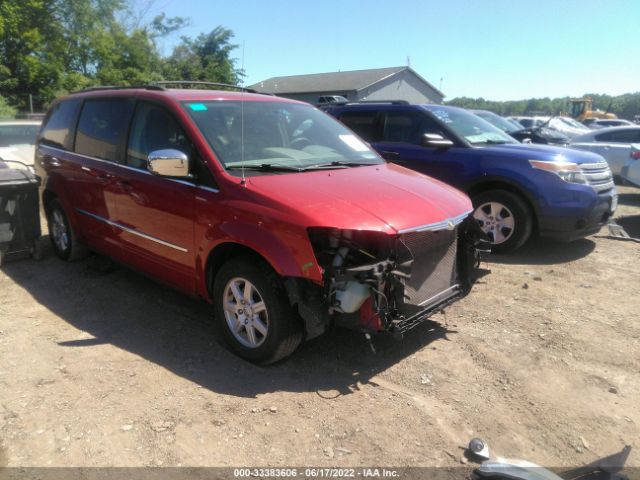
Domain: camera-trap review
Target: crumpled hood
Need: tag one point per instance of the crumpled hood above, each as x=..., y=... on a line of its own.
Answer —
x=543, y=152
x=384, y=197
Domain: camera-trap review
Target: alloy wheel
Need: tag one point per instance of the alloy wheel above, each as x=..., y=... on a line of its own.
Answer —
x=59, y=231
x=496, y=220
x=245, y=312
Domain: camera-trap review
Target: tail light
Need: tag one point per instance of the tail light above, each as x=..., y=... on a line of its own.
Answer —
x=635, y=154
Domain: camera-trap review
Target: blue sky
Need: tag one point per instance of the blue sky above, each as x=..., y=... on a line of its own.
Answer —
x=496, y=49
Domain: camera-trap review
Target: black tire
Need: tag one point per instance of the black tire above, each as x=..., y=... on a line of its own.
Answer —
x=515, y=208
x=284, y=331
x=71, y=250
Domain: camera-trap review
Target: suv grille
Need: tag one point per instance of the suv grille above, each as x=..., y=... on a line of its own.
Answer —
x=433, y=271
x=598, y=175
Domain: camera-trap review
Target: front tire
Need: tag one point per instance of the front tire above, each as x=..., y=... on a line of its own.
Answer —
x=63, y=238
x=252, y=309
x=505, y=218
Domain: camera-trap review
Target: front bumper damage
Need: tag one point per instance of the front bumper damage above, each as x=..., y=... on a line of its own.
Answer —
x=389, y=283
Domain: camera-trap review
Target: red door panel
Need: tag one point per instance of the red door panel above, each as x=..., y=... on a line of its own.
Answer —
x=155, y=216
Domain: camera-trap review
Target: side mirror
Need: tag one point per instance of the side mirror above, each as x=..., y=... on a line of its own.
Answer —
x=526, y=140
x=168, y=163
x=435, y=140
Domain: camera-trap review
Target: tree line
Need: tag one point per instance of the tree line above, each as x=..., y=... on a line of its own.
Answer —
x=52, y=47
x=624, y=106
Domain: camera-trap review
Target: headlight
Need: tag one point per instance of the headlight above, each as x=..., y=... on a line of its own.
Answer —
x=567, y=171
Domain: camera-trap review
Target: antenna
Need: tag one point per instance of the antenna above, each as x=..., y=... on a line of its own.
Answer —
x=244, y=179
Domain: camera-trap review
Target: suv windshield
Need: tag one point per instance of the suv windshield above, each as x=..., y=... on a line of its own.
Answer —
x=469, y=126
x=290, y=136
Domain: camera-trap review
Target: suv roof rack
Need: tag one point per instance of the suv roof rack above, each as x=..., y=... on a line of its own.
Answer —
x=374, y=102
x=113, y=87
x=164, y=83
x=363, y=102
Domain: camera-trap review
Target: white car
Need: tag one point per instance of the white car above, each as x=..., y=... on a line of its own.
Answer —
x=568, y=126
x=17, y=140
x=613, y=143
x=631, y=171
x=597, y=123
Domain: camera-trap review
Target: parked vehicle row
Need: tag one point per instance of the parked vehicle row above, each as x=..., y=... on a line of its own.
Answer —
x=516, y=189
x=288, y=222
x=275, y=213
x=535, y=133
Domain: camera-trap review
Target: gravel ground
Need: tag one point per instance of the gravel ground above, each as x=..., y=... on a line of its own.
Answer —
x=100, y=366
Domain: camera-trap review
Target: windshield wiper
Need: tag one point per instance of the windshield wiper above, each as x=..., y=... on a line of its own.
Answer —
x=338, y=164
x=495, y=142
x=267, y=167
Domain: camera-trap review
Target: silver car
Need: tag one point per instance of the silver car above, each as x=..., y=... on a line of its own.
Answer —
x=614, y=144
x=631, y=171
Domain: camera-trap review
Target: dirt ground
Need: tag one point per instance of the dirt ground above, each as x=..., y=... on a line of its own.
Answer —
x=100, y=366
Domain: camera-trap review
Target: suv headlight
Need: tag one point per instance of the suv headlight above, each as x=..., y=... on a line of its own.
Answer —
x=567, y=171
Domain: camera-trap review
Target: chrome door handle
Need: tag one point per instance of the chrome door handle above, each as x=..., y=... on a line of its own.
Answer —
x=54, y=161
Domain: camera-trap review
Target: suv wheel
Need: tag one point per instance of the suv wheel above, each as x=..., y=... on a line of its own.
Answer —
x=252, y=308
x=504, y=217
x=63, y=238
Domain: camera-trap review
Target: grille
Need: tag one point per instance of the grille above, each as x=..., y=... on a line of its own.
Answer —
x=433, y=271
x=598, y=175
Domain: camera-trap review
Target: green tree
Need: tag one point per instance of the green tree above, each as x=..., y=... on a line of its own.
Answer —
x=50, y=47
x=6, y=110
x=206, y=58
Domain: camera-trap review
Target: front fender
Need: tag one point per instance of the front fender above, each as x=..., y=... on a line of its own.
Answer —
x=287, y=248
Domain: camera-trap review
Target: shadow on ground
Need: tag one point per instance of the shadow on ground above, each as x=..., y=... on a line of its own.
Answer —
x=542, y=251
x=629, y=199
x=120, y=307
x=631, y=224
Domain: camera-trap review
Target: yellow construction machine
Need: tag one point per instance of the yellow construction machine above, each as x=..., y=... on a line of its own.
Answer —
x=581, y=109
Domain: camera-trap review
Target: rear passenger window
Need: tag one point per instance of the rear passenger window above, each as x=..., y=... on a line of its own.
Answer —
x=362, y=123
x=621, y=136
x=102, y=126
x=408, y=127
x=58, y=128
x=154, y=129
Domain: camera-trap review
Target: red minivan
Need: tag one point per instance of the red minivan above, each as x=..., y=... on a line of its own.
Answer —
x=269, y=209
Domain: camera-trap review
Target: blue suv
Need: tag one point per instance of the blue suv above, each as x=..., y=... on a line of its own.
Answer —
x=517, y=189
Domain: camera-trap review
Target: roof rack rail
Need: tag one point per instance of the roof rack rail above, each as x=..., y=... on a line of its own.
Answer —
x=113, y=87
x=374, y=102
x=163, y=83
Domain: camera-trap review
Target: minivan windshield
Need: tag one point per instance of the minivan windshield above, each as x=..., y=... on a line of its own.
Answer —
x=469, y=126
x=277, y=136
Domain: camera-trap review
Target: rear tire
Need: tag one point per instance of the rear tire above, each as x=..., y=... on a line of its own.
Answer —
x=504, y=217
x=253, y=311
x=63, y=238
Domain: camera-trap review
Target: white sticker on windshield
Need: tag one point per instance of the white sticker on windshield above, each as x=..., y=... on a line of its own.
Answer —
x=354, y=142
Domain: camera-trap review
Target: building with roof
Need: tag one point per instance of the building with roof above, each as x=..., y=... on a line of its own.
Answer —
x=394, y=83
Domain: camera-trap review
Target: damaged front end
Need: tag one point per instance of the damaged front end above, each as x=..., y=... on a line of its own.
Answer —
x=377, y=282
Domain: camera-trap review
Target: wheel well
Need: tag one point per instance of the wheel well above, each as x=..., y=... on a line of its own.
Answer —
x=47, y=197
x=224, y=252
x=497, y=185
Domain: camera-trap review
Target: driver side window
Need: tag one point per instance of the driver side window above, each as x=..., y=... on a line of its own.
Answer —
x=153, y=129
